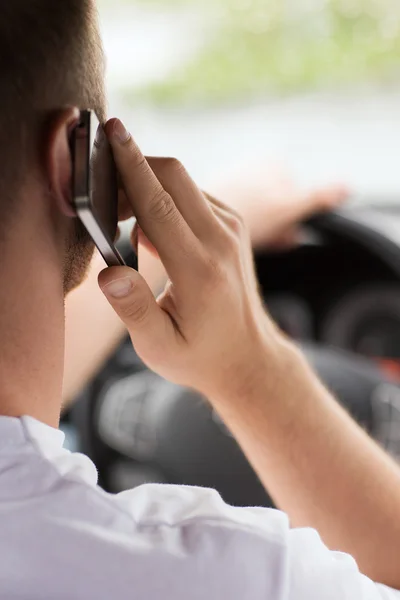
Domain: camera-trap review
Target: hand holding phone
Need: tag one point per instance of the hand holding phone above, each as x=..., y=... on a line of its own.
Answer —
x=208, y=329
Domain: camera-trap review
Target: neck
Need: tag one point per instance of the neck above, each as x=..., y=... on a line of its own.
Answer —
x=31, y=331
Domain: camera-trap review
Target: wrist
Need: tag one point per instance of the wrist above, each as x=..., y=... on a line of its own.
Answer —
x=262, y=374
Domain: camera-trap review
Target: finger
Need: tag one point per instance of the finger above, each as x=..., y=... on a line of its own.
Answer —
x=297, y=208
x=328, y=198
x=145, y=242
x=225, y=214
x=228, y=220
x=150, y=327
x=188, y=198
x=138, y=237
x=287, y=239
x=321, y=199
x=234, y=224
x=125, y=211
x=215, y=202
x=153, y=207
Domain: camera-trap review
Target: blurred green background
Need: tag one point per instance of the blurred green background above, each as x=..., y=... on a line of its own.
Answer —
x=254, y=48
x=313, y=85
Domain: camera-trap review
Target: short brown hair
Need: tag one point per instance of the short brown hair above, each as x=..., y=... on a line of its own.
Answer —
x=50, y=56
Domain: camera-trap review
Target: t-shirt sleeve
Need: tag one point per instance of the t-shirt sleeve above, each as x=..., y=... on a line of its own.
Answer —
x=203, y=548
x=317, y=572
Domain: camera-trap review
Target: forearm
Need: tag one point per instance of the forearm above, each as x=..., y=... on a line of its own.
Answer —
x=318, y=465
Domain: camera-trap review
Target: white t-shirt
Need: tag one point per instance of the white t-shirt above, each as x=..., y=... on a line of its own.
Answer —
x=62, y=537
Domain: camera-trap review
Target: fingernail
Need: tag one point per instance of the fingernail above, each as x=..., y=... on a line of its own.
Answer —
x=100, y=135
x=120, y=132
x=119, y=288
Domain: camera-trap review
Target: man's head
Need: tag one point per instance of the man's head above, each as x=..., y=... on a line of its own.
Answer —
x=51, y=60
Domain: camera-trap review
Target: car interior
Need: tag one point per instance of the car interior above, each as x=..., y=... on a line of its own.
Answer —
x=337, y=294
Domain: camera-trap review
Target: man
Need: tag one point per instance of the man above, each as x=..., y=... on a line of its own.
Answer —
x=61, y=536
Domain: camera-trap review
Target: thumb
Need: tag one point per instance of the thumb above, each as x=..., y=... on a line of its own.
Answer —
x=150, y=327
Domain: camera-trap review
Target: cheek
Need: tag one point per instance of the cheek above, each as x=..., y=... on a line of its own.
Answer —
x=81, y=236
x=79, y=254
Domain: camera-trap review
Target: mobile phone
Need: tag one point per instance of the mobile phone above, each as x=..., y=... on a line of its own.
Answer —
x=95, y=187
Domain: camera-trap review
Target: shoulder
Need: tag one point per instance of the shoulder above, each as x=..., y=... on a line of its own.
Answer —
x=252, y=549
x=188, y=541
x=177, y=506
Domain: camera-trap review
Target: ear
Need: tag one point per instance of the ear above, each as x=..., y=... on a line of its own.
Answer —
x=58, y=158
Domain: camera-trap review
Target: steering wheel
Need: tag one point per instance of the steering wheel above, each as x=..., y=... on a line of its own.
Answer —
x=139, y=428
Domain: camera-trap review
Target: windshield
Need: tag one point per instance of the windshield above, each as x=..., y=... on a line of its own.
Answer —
x=313, y=84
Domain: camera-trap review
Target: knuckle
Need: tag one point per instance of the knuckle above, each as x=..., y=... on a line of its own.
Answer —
x=161, y=207
x=173, y=165
x=232, y=251
x=234, y=238
x=214, y=277
x=231, y=244
x=137, y=159
x=237, y=224
x=230, y=237
x=137, y=311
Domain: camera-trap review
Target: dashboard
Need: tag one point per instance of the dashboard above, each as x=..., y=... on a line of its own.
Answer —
x=339, y=288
